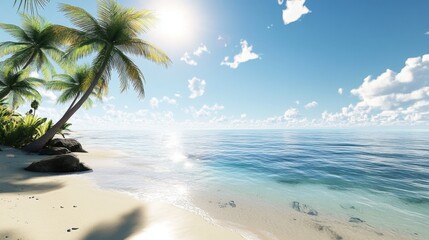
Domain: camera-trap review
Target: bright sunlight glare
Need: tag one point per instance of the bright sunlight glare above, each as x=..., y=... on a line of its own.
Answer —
x=174, y=22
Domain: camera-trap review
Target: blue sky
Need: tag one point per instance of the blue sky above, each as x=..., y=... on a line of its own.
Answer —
x=292, y=57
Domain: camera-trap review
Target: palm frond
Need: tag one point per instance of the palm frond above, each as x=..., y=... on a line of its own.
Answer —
x=142, y=48
x=128, y=71
x=15, y=31
x=30, y=5
x=81, y=18
x=7, y=48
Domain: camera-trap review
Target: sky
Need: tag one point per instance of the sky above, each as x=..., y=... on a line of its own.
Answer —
x=268, y=64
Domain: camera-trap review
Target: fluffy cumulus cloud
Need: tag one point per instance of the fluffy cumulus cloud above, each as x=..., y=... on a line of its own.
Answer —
x=295, y=9
x=154, y=102
x=188, y=60
x=392, y=90
x=245, y=55
x=201, y=49
x=290, y=114
x=310, y=105
x=196, y=87
x=340, y=91
x=390, y=98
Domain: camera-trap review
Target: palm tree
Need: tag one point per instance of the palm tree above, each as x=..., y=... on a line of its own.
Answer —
x=36, y=42
x=75, y=84
x=34, y=106
x=30, y=5
x=18, y=86
x=111, y=36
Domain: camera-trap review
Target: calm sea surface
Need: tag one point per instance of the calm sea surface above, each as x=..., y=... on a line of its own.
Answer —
x=380, y=177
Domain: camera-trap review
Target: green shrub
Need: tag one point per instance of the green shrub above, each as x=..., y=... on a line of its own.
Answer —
x=17, y=130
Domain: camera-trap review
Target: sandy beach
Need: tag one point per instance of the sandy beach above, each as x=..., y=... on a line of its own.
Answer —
x=40, y=206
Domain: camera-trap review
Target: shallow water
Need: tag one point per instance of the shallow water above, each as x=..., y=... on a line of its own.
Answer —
x=380, y=177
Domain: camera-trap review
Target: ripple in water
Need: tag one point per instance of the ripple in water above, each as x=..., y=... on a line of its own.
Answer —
x=383, y=174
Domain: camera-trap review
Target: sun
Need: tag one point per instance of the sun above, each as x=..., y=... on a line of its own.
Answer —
x=175, y=23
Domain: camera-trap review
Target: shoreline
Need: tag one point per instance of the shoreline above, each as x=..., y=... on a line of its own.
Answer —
x=40, y=206
x=47, y=206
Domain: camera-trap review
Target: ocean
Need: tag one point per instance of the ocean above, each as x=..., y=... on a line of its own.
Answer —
x=378, y=177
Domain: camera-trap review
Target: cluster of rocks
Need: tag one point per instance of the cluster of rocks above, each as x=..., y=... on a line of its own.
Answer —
x=304, y=208
x=230, y=203
x=62, y=160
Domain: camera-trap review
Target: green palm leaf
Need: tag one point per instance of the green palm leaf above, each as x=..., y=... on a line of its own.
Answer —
x=37, y=41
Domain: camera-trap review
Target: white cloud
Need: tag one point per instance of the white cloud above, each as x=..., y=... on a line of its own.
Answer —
x=297, y=102
x=390, y=99
x=295, y=9
x=245, y=55
x=243, y=115
x=205, y=110
x=48, y=94
x=201, y=49
x=310, y=105
x=154, y=102
x=168, y=100
x=340, y=91
x=107, y=99
x=177, y=95
x=188, y=60
x=197, y=87
x=427, y=33
x=290, y=114
x=392, y=90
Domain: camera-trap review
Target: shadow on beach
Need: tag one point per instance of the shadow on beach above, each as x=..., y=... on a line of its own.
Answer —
x=13, y=177
x=126, y=226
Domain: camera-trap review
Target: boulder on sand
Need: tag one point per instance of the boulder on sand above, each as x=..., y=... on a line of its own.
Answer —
x=54, y=151
x=58, y=164
x=71, y=144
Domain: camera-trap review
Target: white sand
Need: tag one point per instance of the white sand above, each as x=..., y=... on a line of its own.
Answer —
x=38, y=206
x=41, y=206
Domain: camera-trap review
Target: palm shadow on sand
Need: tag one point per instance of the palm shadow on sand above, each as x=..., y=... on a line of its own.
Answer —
x=124, y=227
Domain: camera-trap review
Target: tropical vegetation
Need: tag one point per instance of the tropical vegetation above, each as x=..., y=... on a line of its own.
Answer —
x=106, y=40
x=17, y=130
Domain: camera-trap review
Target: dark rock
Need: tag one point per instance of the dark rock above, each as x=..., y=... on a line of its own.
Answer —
x=59, y=164
x=71, y=144
x=68, y=230
x=356, y=220
x=232, y=204
x=54, y=151
x=74, y=229
x=304, y=208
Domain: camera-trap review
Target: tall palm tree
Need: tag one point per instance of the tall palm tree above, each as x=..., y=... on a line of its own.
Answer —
x=15, y=87
x=36, y=42
x=75, y=84
x=112, y=35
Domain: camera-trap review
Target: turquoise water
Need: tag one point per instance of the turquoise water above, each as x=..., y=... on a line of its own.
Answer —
x=380, y=177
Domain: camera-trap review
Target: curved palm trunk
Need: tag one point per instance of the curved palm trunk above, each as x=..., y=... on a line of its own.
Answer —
x=74, y=101
x=37, y=145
